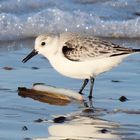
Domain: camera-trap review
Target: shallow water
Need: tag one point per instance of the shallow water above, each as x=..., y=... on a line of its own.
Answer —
x=110, y=118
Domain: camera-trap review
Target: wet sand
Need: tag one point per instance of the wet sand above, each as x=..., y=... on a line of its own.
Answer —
x=25, y=118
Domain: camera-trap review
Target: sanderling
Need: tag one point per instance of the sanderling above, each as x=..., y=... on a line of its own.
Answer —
x=79, y=56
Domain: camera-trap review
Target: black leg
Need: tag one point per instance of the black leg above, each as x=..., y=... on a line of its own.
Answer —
x=91, y=103
x=83, y=86
x=91, y=87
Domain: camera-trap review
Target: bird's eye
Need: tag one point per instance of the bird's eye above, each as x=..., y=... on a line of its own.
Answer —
x=43, y=43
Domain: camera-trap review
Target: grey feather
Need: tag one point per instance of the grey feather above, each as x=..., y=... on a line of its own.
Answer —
x=84, y=48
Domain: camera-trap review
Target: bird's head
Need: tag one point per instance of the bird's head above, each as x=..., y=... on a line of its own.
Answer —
x=45, y=44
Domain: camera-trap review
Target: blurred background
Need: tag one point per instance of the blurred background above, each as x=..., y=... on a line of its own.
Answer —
x=106, y=18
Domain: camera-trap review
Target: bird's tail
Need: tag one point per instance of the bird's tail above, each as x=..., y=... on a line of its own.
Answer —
x=136, y=50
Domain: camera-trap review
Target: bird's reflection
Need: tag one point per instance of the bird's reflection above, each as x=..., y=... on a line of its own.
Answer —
x=83, y=128
x=88, y=103
x=83, y=125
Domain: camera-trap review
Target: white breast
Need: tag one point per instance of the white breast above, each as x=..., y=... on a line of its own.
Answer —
x=85, y=69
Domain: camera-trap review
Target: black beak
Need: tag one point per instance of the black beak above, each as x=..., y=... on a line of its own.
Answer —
x=29, y=56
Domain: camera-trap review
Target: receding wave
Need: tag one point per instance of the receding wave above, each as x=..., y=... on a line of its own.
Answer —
x=19, y=19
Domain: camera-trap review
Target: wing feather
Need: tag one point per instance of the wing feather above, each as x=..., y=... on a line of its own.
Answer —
x=84, y=48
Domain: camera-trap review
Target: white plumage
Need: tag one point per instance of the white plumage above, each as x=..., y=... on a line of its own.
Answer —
x=78, y=56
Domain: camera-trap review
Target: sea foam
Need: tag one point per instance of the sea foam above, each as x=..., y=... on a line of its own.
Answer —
x=23, y=19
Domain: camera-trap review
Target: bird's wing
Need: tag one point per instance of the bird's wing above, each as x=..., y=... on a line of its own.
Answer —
x=85, y=48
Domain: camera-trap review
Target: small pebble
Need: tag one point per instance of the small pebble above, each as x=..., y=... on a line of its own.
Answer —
x=35, y=68
x=59, y=119
x=7, y=68
x=39, y=120
x=24, y=128
x=115, y=81
x=104, y=130
x=123, y=99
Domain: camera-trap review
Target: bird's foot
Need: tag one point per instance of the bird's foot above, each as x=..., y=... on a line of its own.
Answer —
x=81, y=93
x=89, y=103
x=90, y=97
